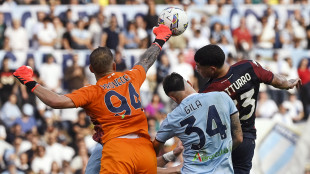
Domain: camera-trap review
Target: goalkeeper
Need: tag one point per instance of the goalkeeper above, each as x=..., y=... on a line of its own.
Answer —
x=114, y=107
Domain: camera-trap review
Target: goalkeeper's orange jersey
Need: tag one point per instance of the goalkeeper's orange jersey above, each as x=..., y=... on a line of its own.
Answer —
x=114, y=104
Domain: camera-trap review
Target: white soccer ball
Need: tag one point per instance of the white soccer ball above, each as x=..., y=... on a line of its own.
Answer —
x=175, y=18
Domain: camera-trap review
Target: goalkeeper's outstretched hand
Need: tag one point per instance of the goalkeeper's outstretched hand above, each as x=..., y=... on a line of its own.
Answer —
x=24, y=75
x=163, y=33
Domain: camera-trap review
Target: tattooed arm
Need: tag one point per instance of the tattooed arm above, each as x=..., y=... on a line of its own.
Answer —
x=163, y=33
x=148, y=58
x=236, y=130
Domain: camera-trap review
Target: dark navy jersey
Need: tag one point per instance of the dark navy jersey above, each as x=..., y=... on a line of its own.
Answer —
x=242, y=83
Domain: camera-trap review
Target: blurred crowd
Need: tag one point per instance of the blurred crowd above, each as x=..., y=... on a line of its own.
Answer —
x=37, y=139
x=135, y=2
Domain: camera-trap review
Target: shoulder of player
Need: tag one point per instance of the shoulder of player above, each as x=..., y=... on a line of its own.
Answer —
x=214, y=93
x=243, y=62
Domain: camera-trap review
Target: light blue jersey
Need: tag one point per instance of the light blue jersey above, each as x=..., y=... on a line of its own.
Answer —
x=202, y=122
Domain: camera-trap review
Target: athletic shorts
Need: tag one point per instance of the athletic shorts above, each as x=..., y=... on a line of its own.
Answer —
x=242, y=156
x=126, y=156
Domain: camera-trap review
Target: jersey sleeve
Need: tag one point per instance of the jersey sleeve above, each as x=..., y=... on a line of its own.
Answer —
x=264, y=76
x=165, y=132
x=81, y=97
x=232, y=107
x=138, y=73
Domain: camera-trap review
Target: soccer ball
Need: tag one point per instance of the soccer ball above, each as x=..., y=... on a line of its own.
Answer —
x=175, y=18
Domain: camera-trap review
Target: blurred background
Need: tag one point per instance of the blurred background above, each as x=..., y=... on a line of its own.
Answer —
x=55, y=38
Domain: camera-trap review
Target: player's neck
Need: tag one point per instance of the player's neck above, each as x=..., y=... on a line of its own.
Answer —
x=99, y=76
x=223, y=71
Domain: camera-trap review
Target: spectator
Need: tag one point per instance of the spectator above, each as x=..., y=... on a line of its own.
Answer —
x=304, y=92
x=23, y=163
x=11, y=155
x=74, y=75
x=278, y=37
x=60, y=30
x=41, y=161
x=67, y=41
x=242, y=37
x=27, y=121
x=299, y=28
x=79, y=162
x=184, y=69
x=153, y=108
x=197, y=41
x=47, y=36
x=141, y=29
x=36, y=27
x=282, y=116
x=151, y=18
x=8, y=84
x=66, y=151
x=81, y=127
x=55, y=169
x=95, y=31
x=112, y=36
x=266, y=37
x=132, y=40
x=295, y=107
x=120, y=61
x=81, y=38
x=287, y=35
x=163, y=68
x=2, y=30
x=278, y=66
x=51, y=74
x=4, y=145
x=266, y=107
x=10, y=111
x=68, y=17
x=53, y=148
x=308, y=36
x=16, y=37
x=220, y=17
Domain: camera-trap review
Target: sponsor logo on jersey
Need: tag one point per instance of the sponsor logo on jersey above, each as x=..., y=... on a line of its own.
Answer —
x=203, y=157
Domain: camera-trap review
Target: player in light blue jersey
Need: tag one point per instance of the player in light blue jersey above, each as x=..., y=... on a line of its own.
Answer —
x=207, y=124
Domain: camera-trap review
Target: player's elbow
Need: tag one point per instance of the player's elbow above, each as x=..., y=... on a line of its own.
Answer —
x=238, y=139
x=54, y=104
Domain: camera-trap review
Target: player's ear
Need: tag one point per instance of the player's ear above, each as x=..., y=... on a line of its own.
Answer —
x=189, y=83
x=91, y=69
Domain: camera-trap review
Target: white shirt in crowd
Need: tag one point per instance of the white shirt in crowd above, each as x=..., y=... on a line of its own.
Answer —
x=18, y=38
x=50, y=75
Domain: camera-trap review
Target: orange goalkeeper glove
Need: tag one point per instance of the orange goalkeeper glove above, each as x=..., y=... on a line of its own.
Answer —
x=163, y=33
x=24, y=75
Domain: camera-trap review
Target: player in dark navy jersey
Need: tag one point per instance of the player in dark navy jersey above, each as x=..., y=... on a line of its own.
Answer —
x=241, y=82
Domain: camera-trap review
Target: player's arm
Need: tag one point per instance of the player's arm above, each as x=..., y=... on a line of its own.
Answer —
x=163, y=33
x=276, y=80
x=50, y=98
x=53, y=99
x=279, y=81
x=157, y=146
x=236, y=131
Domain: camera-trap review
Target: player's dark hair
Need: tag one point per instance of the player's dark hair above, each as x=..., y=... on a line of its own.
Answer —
x=210, y=55
x=101, y=59
x=173, y=82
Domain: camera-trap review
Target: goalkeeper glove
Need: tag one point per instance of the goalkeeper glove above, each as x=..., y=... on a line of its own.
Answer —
x=163, y=33
x=24, y=75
